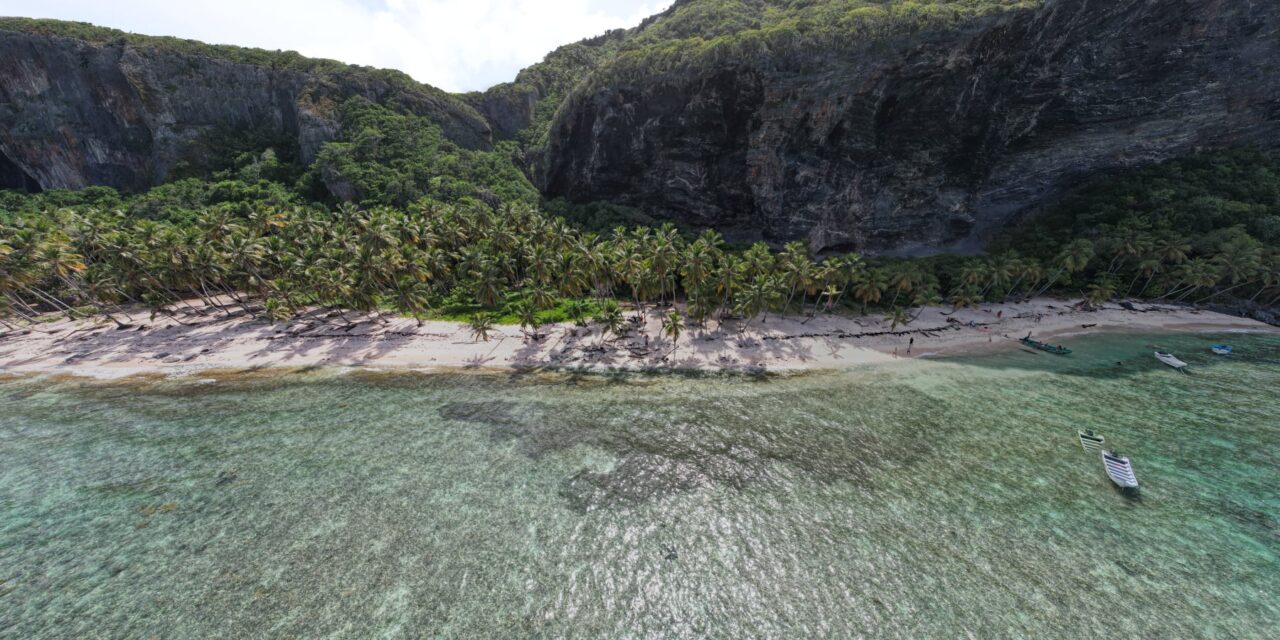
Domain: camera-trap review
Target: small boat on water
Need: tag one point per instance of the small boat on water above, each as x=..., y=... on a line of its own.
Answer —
x=1119, y=469
x=1092, y=442
x=1222, y=349
x=1171, y=360
x=1056, y=350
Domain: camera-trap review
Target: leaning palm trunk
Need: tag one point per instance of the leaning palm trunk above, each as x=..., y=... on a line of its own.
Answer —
x=1132, y=283
x=724, y=304
x=790, y=297
x=204, y=297
x=230, y=292
x=1224, y=291
x=57, y=304
x=92, y=300
x=20, y=307
x=1013, y=288
x=1188, y=292
x=843, y=291
x=1050, y=283
x=1175, y=290
x=1147, y=285
x=212, y=296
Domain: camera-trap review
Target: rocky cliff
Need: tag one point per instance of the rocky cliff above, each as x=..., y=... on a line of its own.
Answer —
x=884, y=126
x=127, y=113
x=921, y=142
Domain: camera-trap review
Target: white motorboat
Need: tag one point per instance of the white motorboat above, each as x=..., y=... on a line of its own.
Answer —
x=1120, y=470
x=1171, y=360
x=1092, y=442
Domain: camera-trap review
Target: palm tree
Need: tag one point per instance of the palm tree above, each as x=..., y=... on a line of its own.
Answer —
x=610, y=318
x=1240, y=262
x=1149, y=266
x=973, y=273
x=757, y=297
x=411, y=296
x=832, y=293
x=870, y=288
x=1270, y=277
x=672, y=326
x=898, y=316
x=1172, y=248
x=757, y=261
x=902, y=279
x=1127, y=243
x=1193, y=275
x=577, y=310
x=924, y=299
x=527, y=313
x=480, y=324
x=965, y=296
x=1072, y=258
x=728, y=280
x=1101, y=290
x=850, y=269
x=1000, y=272
x=797, y=269
x=1032, y=272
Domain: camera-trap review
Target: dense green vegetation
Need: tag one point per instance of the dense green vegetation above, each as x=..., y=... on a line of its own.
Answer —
x=1189, y=229
x=392, y=215
x=550, y=82
x=386, y=157
x=706, y=33
x=1195, y=230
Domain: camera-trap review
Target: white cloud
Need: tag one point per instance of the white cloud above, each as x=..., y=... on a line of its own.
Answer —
x=458, y=45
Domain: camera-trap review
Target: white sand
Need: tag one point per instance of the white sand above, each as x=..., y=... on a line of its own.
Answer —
x=96, y=348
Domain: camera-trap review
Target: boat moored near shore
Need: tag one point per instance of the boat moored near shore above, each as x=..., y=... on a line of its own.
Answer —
x=1057, y=350
x=1171, y=360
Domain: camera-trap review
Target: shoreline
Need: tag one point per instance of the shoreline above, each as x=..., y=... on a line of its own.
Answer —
x=96, y=348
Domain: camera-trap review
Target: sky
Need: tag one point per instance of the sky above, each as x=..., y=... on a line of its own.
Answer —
x=457, y=45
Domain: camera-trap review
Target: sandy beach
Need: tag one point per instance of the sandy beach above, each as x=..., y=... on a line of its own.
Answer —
x=98, y=348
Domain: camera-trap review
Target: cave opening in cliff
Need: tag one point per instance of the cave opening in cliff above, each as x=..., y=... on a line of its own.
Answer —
x=12, y=176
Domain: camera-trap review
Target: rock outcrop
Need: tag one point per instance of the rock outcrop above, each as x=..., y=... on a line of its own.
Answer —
x=75, y=113
x=928, y=142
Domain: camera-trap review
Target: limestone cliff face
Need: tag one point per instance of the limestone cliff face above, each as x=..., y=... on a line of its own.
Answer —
x=75, y=113
x=929, y=142
x=917, y=143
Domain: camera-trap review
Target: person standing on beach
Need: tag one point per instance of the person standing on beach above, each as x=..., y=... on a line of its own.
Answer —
x=911, y=345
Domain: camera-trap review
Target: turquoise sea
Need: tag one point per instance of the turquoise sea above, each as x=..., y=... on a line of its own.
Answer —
x=941, y=499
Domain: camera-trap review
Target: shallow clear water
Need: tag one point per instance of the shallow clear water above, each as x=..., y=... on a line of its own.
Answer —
x=945, y=499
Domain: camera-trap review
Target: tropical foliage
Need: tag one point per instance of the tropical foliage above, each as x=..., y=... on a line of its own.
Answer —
x=393, y=215
x=708, y=32
x=391, y=158
x=1193, y=230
